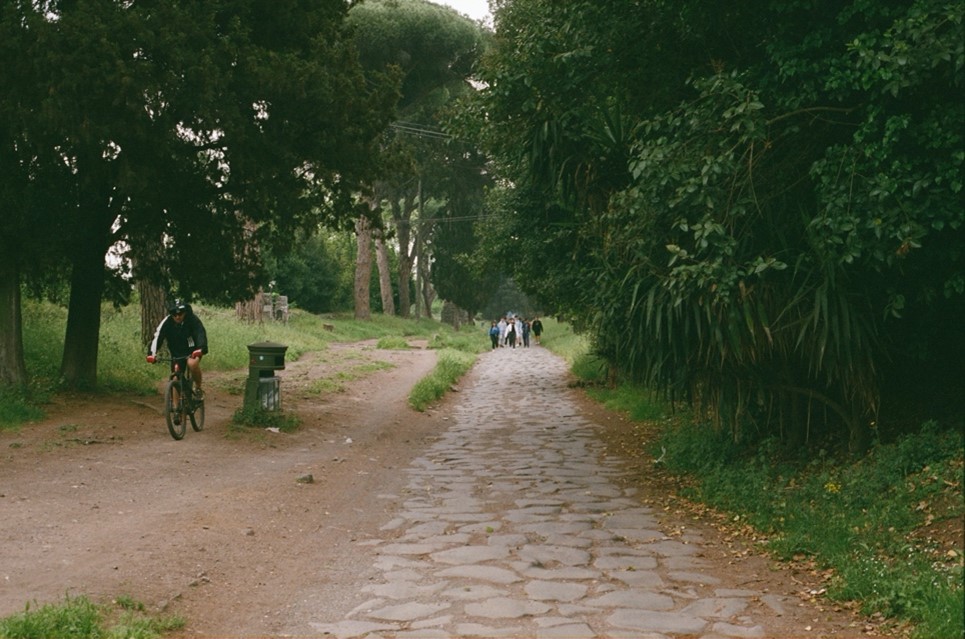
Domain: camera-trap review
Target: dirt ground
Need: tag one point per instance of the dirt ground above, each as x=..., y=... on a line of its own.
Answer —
x=228, y=527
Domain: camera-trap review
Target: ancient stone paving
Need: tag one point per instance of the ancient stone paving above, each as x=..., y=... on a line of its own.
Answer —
x=514, y=526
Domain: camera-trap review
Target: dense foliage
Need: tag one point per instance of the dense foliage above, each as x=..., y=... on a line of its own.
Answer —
x=199, y=134
x=756, y=208
x=315, y=275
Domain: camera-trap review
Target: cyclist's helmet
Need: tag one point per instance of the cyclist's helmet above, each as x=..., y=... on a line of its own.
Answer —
x=177, y=306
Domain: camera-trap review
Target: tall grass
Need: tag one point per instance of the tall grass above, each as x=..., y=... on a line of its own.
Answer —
x=121, y=367
x=79, y=618
x=120, y=362
x=560, y=339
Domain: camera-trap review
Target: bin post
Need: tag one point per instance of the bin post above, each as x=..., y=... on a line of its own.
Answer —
x=263, y=388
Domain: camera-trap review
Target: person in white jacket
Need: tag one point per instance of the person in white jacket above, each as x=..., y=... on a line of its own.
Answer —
x=512, y=333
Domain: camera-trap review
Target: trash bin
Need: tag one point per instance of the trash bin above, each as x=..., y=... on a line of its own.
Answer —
x=263, y=388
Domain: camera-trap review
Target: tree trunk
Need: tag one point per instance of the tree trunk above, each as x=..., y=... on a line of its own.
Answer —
x=385, y=273
x=13, y=370
x=417, y=298
x=428, y=293
x=153, y=309
x=79, y=365
x=402, y=207
x=363, y=269
x=859, y=436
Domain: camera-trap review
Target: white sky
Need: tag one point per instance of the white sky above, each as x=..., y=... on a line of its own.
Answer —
x=475, y=9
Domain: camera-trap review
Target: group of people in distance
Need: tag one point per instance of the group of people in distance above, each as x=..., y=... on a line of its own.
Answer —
x=511, y=331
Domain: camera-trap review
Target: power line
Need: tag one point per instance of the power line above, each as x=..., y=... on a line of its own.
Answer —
x=445, y=218
x=420, y=130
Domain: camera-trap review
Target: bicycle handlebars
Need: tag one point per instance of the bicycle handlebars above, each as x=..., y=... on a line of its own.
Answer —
x=151, y=359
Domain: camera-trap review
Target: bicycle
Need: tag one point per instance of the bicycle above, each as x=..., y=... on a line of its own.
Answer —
x=180, y=404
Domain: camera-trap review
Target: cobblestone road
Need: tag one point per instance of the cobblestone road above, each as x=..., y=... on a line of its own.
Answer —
x=514, y=525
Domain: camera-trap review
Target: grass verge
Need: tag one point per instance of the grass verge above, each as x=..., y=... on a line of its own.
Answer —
x=883, y=529
x=79, y=618
x=121, y=367
x=450, y=367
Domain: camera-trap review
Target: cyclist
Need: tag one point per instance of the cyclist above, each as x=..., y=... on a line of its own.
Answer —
x=186, y=338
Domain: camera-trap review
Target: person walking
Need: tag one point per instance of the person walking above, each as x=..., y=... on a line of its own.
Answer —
x=537, y=329
x=494, y=334
x=511, y=333
x=525, y=330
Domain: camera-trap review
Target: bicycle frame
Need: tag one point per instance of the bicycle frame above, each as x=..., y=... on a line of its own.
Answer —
x=179, y=402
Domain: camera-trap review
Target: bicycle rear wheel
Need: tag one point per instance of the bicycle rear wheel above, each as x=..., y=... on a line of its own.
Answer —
x=174, y=410
x=197, y=415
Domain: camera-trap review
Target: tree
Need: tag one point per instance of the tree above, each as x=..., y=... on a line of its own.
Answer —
x=433, y=49
x=385, y=273
x=309, y=275
x=214, y=129
x=460, y=273
x=29, y=181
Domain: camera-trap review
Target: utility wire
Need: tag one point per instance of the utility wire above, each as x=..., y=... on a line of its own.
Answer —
x=454, y=218
x=420, y=130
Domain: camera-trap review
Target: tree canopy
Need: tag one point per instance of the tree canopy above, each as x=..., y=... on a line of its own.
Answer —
x=198, y=133
x=433, y=50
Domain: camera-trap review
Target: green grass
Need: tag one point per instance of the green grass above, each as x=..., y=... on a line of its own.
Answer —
x=258, y=417
x=638, y=403
x=564, y=342
x=863, y=520
x=855, y=518
x=393, y=342
x=336, y=383
x=16, y=408
x=121, y=367
x=79, y=618
x=451, y=366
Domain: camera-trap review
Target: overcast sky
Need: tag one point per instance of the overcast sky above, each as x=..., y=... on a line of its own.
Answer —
x=475, y=9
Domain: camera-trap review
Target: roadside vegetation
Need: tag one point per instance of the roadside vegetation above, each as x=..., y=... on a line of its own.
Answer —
x=882, y=529
x=122, y=367
x=451, y=366
x=870, y=525
x=79, y=618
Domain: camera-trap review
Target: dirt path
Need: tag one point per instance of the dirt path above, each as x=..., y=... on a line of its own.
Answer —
x=223, y=527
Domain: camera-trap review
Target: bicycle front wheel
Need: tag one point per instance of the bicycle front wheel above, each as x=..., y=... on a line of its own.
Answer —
x=174, y=410
x=197, y=416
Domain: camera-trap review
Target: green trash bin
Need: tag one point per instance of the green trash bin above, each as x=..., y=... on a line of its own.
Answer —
x=263, y=388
